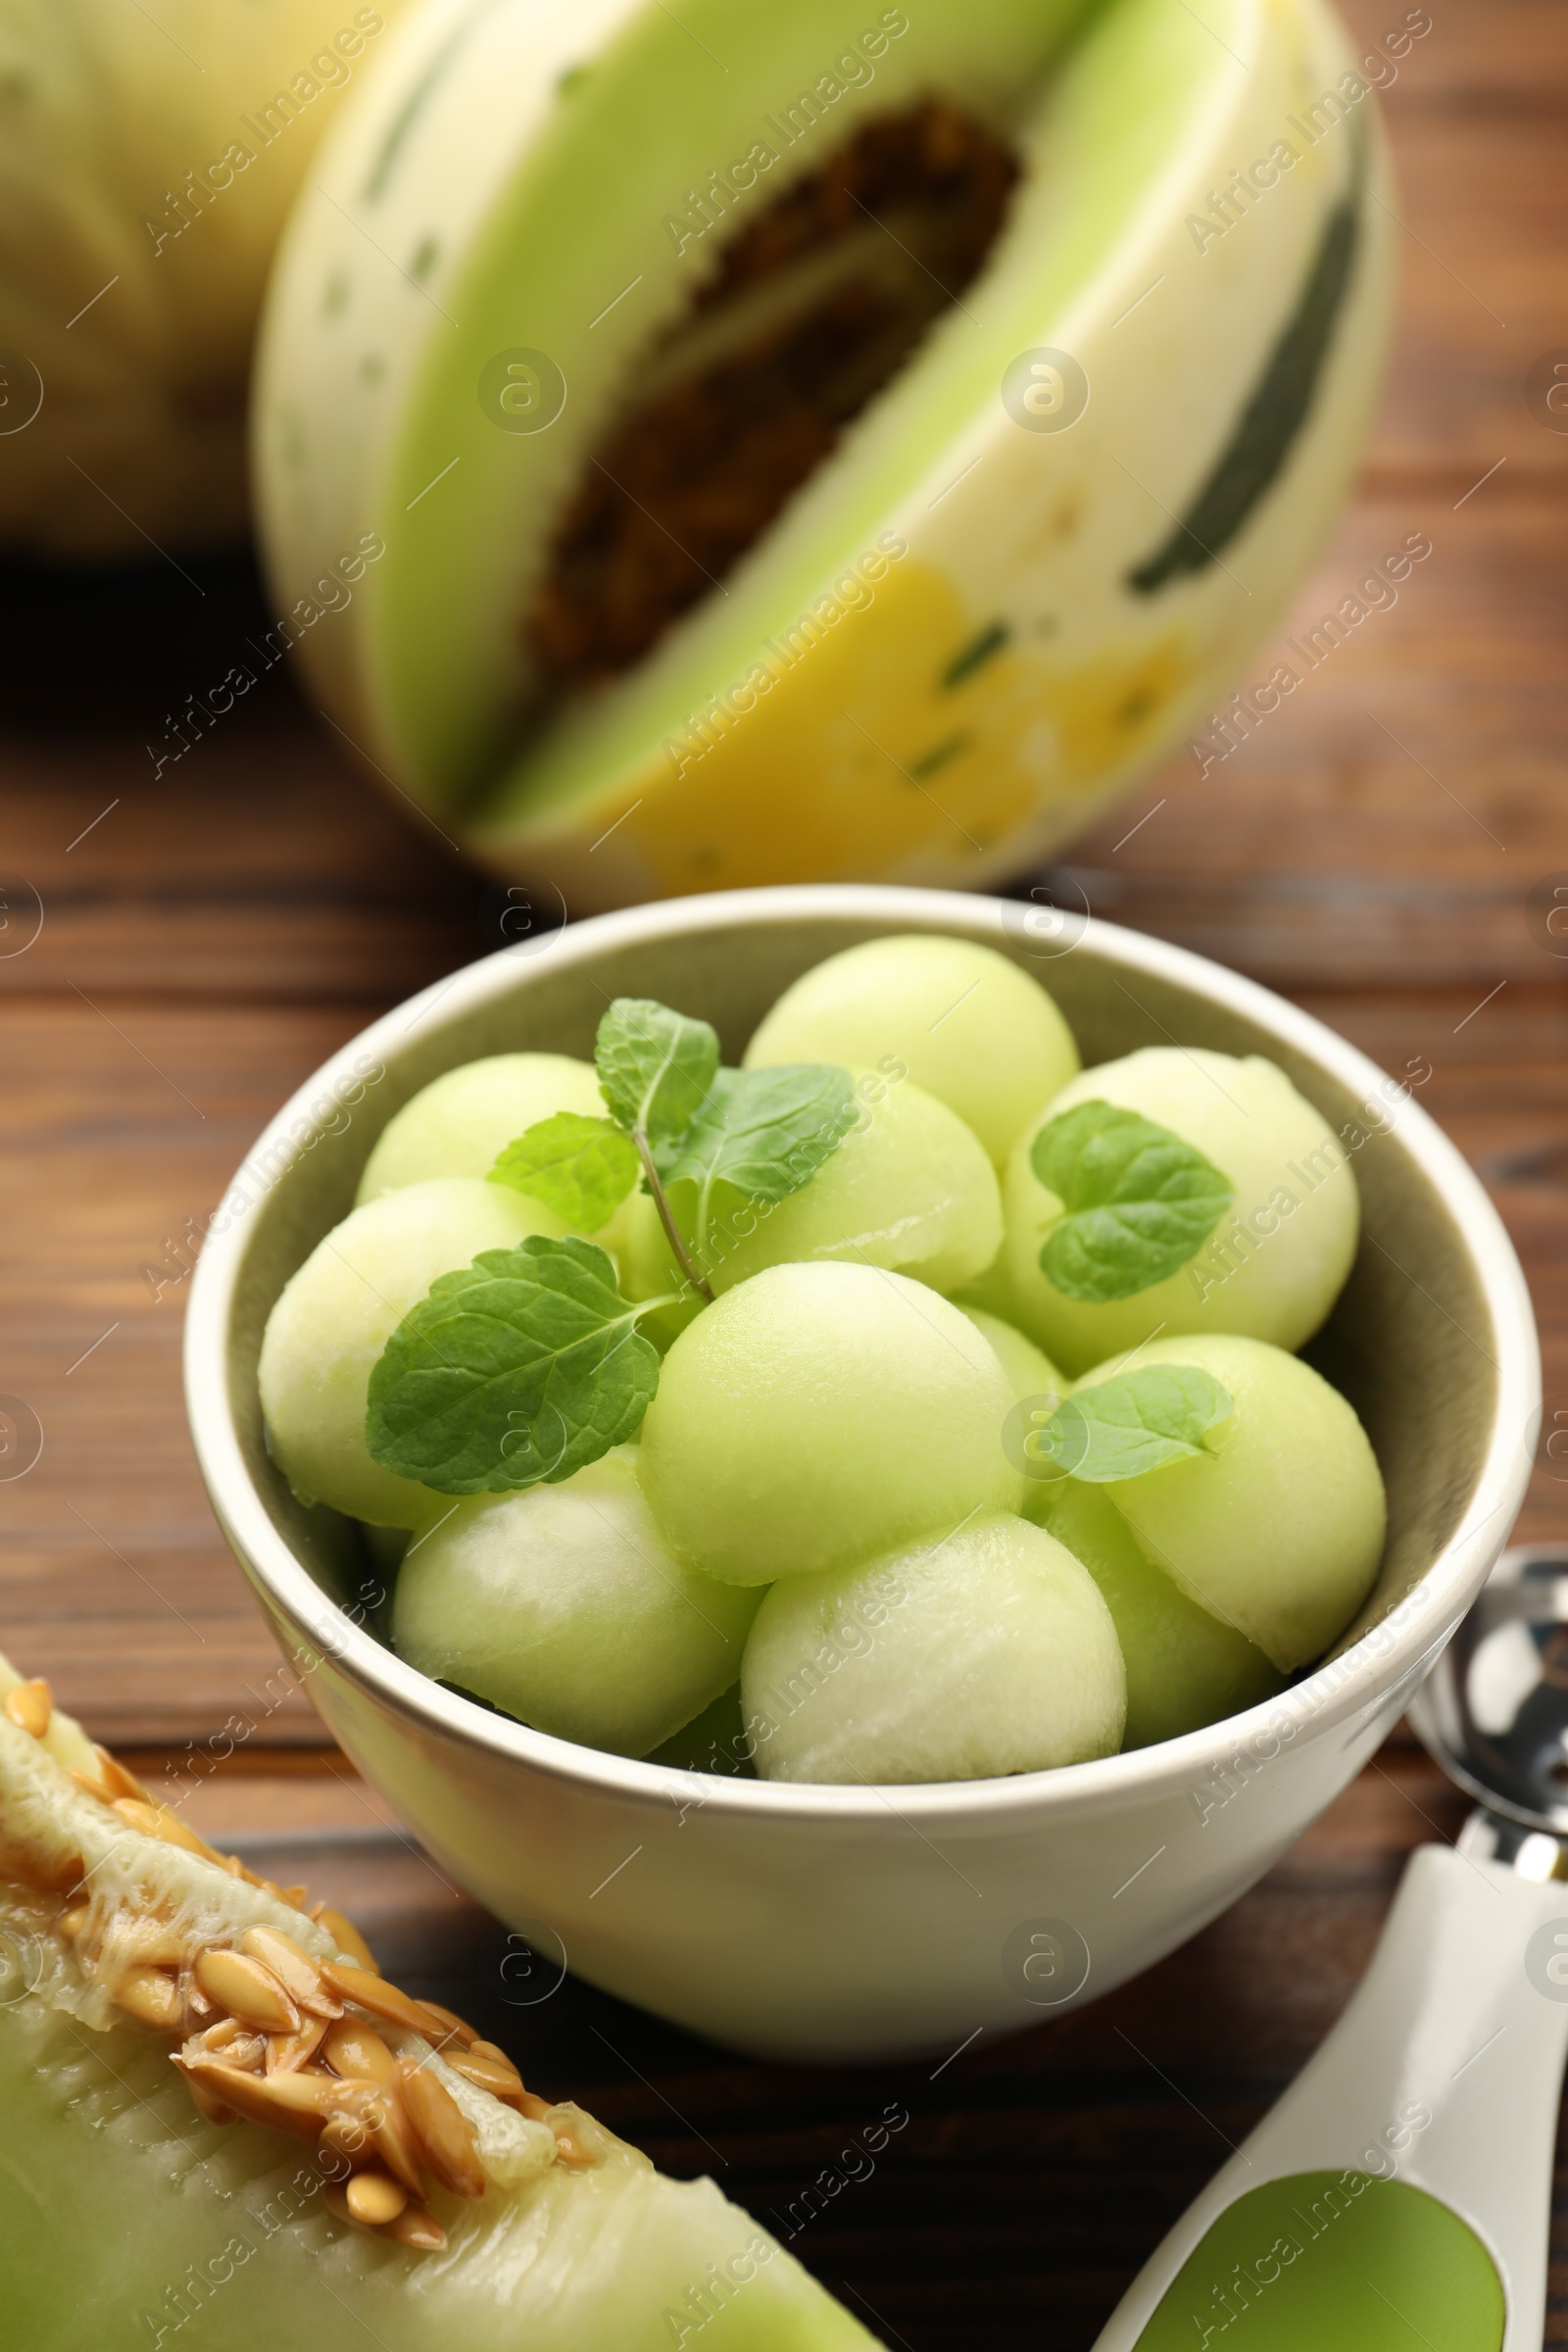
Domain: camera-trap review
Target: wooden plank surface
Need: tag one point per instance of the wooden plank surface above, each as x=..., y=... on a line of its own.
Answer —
x=209, y=932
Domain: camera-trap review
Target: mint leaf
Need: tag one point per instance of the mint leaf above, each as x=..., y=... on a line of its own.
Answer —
x=655, y=1066
x=766, y=1132
x=1139, y=1202
x=582, y=1168
x=517, y=1370
x=1133, y=1422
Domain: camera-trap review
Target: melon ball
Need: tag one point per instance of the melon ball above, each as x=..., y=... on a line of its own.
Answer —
x=648, y=1270
x=907, y=1188
x=1277, y=1527
x=461, y=1123
x=968, y=1025
x=1183, y=1667
x=564, y=1605
x=335, y=1316
x=956, y=1658
x=992, y=1291
x=1277, y=1258
x=1031, y=1373
x=817, y=1414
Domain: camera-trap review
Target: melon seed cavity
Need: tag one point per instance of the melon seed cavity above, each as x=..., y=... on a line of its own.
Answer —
x=813, y=310
x=268, y=2033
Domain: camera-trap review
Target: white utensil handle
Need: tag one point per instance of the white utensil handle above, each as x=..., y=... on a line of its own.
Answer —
x=1444, y=2073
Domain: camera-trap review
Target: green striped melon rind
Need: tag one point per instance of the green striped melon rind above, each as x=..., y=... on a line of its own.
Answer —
x=1065, y=604
x=126, y=2221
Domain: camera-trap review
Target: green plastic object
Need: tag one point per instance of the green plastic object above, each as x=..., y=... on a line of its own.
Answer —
x=1333, y=2262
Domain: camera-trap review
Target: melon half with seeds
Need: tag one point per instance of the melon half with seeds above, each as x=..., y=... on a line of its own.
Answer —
x=810, y=445
x=223, y=2125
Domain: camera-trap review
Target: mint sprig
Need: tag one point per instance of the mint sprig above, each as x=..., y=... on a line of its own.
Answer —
x=1135, y=1421
x=582, y=1168
x=1138, y=1202
x=512, y=1372
x=765, y=1132
x=529, y=1364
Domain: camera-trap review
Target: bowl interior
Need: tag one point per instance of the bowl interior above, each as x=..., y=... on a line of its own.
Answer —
x=1411, y=1342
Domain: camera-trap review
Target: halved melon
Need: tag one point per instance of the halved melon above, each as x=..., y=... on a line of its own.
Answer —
x=550, y=242
x=391, y=2182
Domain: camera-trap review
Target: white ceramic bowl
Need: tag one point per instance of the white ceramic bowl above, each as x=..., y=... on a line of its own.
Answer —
x=853, y=1923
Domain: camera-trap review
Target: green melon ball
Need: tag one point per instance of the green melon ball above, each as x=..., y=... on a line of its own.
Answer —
x=907, y=1188
x=817, y=1414
x=966, y=1023
x=992, y=1291
x=1275, y=1262
x=329, y=1326
x=461, y=1123
x=990, y=1651
x=1031, y=1373
x=1278, y=1529
x=562, y=1606
x=1183, y=1667
x=648, y=1270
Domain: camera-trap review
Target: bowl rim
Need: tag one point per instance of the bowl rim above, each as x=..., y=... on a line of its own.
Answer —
x=1400, y=1647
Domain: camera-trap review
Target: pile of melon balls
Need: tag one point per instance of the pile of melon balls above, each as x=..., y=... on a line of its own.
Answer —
x=830, y=1555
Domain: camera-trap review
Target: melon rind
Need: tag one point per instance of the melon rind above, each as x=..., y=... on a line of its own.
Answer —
x=126, y=2220
x=845, y=766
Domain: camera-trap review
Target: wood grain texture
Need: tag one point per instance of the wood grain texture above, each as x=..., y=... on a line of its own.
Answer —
x=212, y=930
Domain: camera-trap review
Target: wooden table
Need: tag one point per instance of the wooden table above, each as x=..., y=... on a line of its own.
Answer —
x=209, y=936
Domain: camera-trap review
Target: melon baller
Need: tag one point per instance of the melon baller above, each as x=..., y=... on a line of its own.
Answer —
x=1400, y=2192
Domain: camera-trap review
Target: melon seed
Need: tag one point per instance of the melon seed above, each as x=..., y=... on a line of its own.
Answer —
x=150, y=1996
x=453, y=2026
x=248, y=1991
x=207, y=2103
x=287, y=2053
x=111, y=1780
x=418, y=2228
x=569, y=2151
x=30, y=1706
x=392, y=2138
x=441, y=2130
x=122, y=1780
x=353, y=2048
x=498, y=2075
x=148, y=1941
x=295, y=1970
x=73, y=1920
x=214, y=2038
x=344, y=2135
x=378, y=1996
x=346, y=1936
x=299, y=2104
x=374, y=2198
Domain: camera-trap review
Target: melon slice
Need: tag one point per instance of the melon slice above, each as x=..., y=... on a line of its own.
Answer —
x=945, y=642
x=146, y=1987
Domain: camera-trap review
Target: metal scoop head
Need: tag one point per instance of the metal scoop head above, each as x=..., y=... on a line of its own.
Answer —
x=1494, y=1712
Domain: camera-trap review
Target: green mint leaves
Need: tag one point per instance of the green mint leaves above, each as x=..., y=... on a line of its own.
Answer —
x=529, y=1364
x=1138, y=1202
x=518, y=1369
x=766, y=1132
x=655, y=1066
x=582, y=1168
x=1133, y=1422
